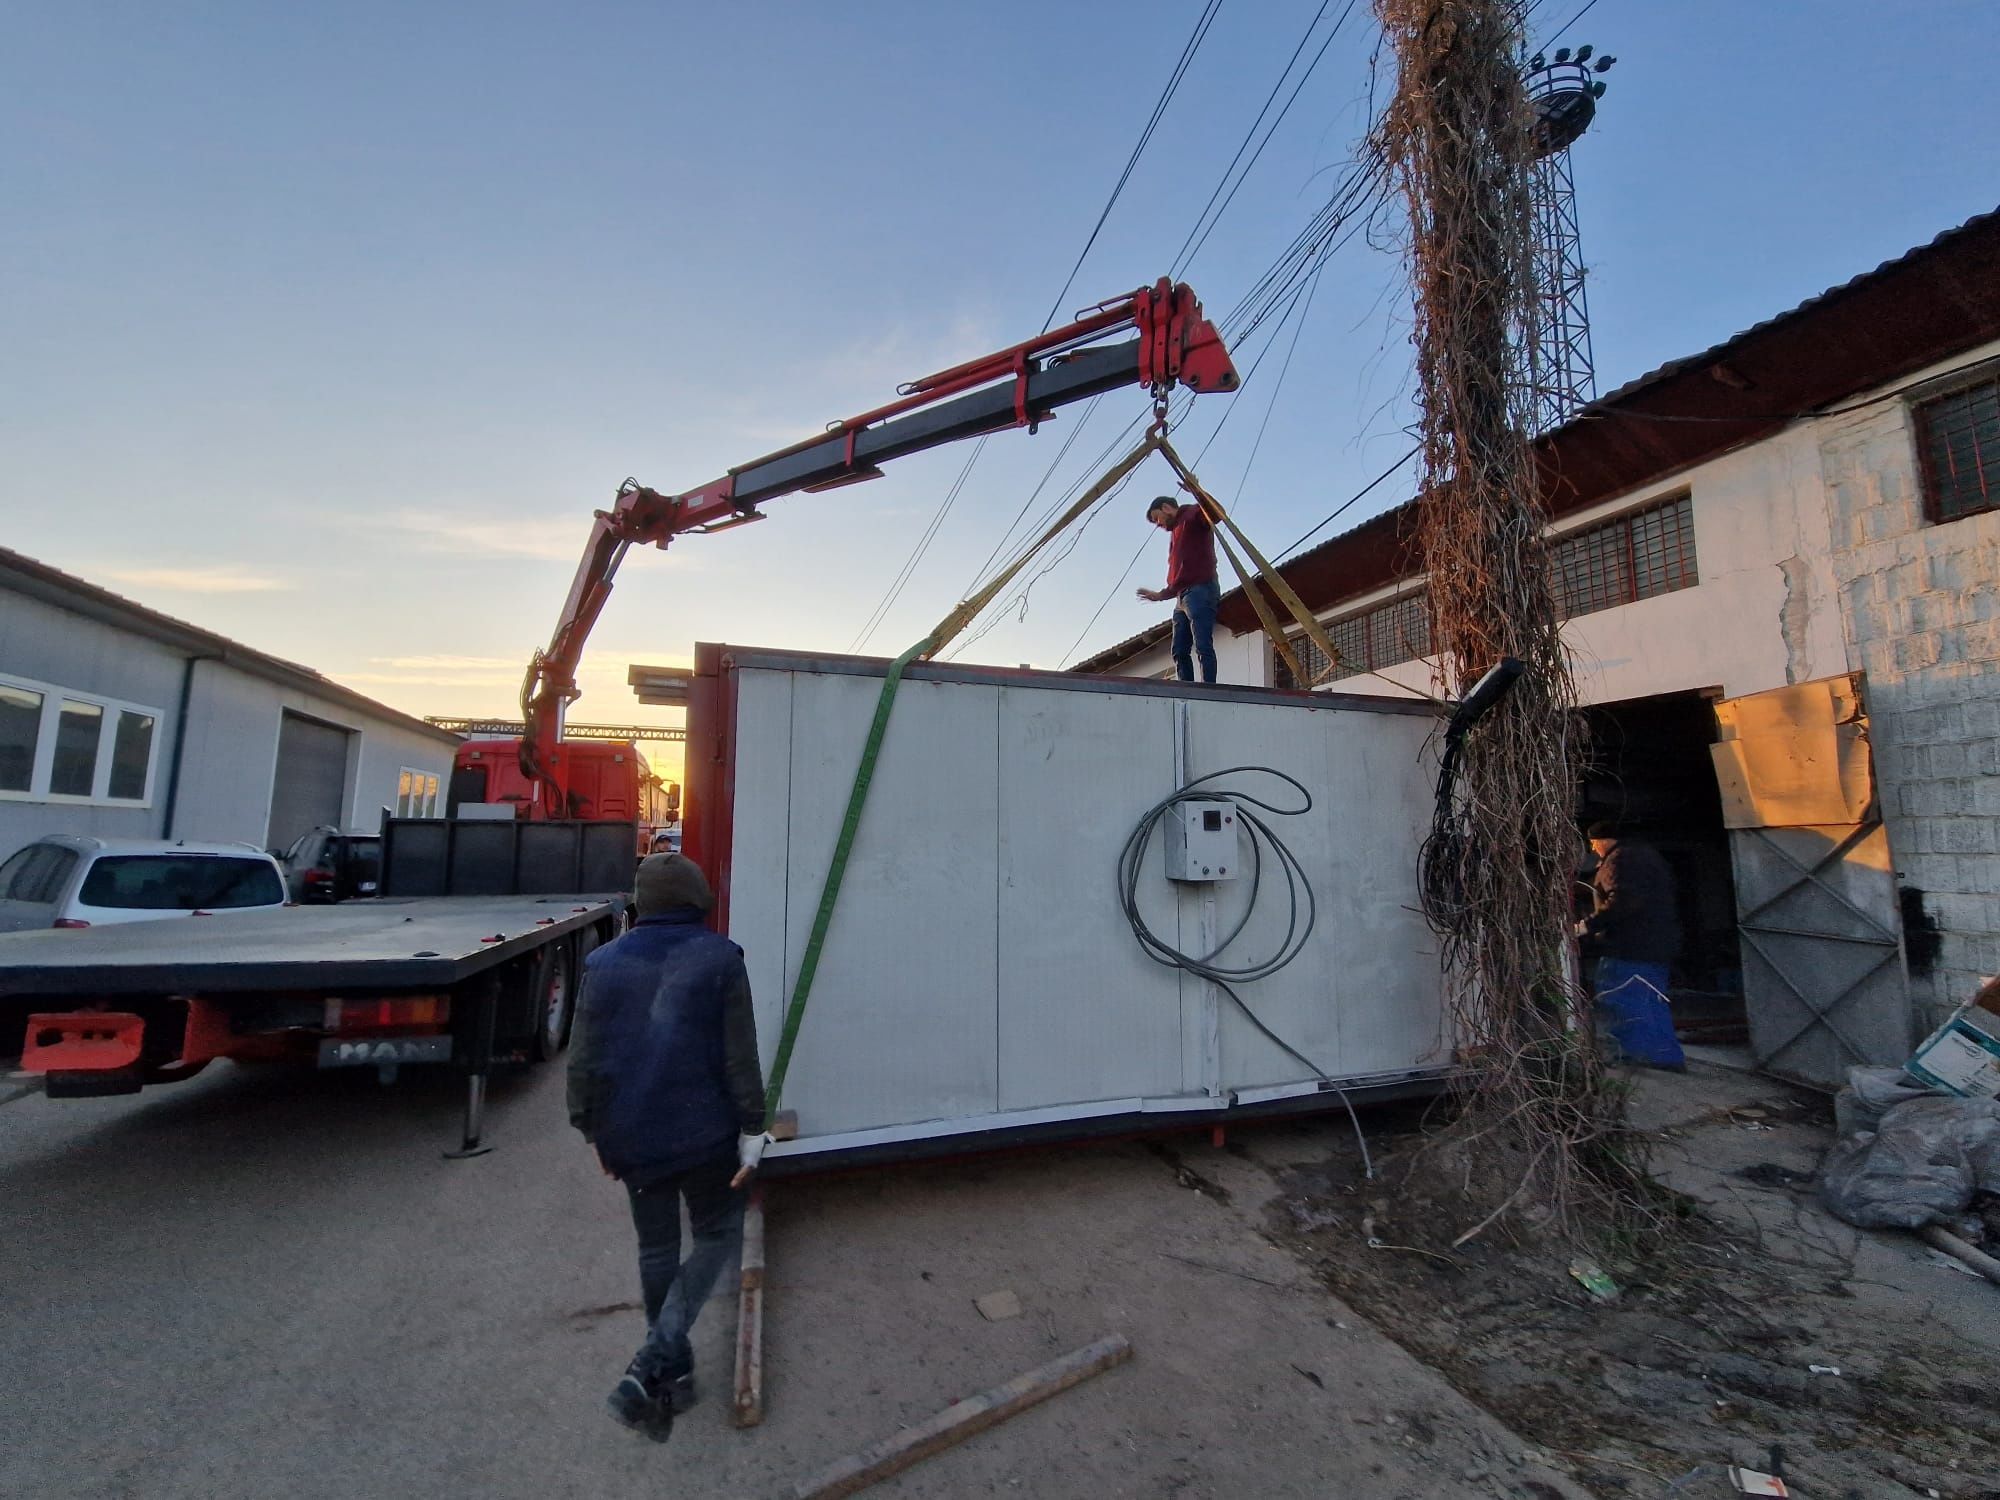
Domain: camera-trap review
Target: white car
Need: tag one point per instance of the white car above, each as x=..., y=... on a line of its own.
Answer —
x=69, y=881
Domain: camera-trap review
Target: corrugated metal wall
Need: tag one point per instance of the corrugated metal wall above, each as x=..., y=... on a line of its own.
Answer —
x=979, y=963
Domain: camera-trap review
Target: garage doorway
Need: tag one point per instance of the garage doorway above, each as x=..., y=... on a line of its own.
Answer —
x=1652, y=774
x=310, y=788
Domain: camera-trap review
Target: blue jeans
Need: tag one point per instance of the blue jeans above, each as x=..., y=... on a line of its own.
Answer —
x=673, y=1292
x=1194, y=627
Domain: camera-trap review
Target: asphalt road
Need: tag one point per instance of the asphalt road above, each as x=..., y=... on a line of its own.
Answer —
x=272, y=1284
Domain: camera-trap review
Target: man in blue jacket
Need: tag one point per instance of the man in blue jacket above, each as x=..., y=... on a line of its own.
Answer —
x=664, y=1081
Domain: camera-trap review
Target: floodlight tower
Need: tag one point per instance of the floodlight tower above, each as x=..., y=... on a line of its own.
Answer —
x=1564, y=91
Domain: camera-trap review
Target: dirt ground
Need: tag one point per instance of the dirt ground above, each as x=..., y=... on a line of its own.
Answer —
x=251, y=1285
x=1773, y=1336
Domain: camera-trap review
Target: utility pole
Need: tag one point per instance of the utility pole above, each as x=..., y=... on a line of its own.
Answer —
x=1460, y=139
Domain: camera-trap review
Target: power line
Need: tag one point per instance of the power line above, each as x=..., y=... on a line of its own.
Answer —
x=1283, y=370
x=908, y=570
x=1569, y=23
x=1353, y=499
x=1248, y=135
x=916, y=556
x=1193, y=44
x=1075, y=432
x=1292, y=99
x=1105, y=604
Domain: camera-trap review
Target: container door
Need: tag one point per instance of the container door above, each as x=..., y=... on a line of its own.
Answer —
x=1823, y=979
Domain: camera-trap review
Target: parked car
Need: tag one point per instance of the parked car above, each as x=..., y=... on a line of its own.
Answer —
x=66, y=880
x=328, y=865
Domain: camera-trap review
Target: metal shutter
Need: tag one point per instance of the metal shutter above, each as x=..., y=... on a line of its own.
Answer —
x=311, y=785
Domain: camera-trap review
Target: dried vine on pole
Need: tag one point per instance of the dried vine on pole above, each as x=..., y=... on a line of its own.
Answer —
x=1503, y=854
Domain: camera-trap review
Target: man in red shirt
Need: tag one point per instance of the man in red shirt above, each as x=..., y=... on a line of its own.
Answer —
x=1191, y=584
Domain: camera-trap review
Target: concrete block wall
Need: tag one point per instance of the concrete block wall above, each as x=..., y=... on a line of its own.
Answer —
x=1920, y=606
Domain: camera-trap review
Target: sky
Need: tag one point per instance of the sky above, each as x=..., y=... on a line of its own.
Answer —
x=328, y=327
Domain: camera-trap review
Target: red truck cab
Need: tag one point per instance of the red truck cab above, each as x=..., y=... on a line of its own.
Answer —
x=609, y=781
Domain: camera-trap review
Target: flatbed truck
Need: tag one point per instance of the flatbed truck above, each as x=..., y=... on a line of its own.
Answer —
x=471, y=959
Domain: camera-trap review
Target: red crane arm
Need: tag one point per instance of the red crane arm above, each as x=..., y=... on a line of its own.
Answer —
x=1015, y=387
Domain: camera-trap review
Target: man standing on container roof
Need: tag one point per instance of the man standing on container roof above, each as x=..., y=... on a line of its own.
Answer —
x=664, y=1081
x=1191, y=584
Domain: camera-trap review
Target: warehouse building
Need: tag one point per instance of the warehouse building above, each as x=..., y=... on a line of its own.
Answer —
x=1795, y=533
x=121, y=722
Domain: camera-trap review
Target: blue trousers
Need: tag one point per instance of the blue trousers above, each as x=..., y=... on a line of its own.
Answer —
x=1632, y=1008
x=1194, y=631
x=673, y=1292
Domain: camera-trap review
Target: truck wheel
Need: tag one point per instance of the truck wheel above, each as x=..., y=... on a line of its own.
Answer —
x=555, y=1005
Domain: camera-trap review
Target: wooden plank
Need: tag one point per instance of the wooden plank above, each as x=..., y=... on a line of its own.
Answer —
x=960, y=1421
x=749, y=1406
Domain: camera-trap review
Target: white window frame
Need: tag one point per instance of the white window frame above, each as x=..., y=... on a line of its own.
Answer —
x=416, y=793
x=53, y=697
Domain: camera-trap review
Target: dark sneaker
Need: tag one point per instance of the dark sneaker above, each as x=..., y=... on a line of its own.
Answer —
x=679, y=1394
x=633, y=1406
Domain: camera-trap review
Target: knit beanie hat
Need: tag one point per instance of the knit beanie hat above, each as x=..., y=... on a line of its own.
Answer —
x=666, y=881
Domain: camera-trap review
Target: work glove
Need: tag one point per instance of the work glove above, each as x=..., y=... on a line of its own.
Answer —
x=749, y=1153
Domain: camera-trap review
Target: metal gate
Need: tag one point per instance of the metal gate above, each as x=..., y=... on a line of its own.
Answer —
x=1824, y=985
x=310, y=788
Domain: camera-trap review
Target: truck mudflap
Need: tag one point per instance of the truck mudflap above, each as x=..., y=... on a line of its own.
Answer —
x=83, y=1041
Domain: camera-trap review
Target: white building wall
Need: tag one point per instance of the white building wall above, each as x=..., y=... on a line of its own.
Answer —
x=1815, y=558
x=53, y=648
x=229, y=763
x=1920, y=604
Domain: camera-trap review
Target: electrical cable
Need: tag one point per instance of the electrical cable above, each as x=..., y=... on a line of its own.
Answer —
x=917, y=553
x=1289, y=101
x=1076, y=431
x=1551, y=41
x=1193, y=45
x=1297, y=883
x=904, y=574
x=1248, y=136
x=1351, y=500
x=1206, y=445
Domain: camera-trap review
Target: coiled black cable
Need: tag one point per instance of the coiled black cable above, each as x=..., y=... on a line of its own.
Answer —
x=1297, y=885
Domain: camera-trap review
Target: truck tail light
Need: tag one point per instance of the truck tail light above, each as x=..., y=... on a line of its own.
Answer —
x=70, y=922
x=371, y=1015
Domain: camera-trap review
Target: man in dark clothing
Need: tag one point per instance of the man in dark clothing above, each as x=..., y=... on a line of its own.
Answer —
x=1636, y=933
x=664, y=1081
x=1191, y=584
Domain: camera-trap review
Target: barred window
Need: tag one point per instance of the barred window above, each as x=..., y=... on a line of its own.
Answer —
x=1958, y=437
x=1393, y=632
x=1633, y=557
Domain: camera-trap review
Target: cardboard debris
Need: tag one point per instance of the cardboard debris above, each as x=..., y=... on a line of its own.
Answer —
x=1962, y=1056
x=1751, y=1482
x=1795, y=757
x=995, y=1306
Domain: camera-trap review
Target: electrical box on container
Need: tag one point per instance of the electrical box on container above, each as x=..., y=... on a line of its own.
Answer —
x=1201, y=841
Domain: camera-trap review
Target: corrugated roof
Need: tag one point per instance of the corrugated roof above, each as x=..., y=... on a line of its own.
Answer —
x=52, y=585
x=1918, y=309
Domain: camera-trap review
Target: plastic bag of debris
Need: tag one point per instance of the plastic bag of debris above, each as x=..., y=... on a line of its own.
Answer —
x=1924, y=1163
x=1870, y=1094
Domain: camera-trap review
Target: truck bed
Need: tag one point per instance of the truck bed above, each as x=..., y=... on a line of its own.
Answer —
x=393, y=941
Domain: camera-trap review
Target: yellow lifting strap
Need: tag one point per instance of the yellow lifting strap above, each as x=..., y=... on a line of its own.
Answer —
x=1308, y=622
x=949, y=627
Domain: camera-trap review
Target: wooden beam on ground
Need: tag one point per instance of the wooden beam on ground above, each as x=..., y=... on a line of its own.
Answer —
x=749, y=1407
x=961, y=1420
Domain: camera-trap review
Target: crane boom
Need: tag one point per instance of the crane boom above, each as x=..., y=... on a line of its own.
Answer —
x=1014, y=387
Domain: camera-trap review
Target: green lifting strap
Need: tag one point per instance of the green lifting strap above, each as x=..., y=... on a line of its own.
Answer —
x=857, y=798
